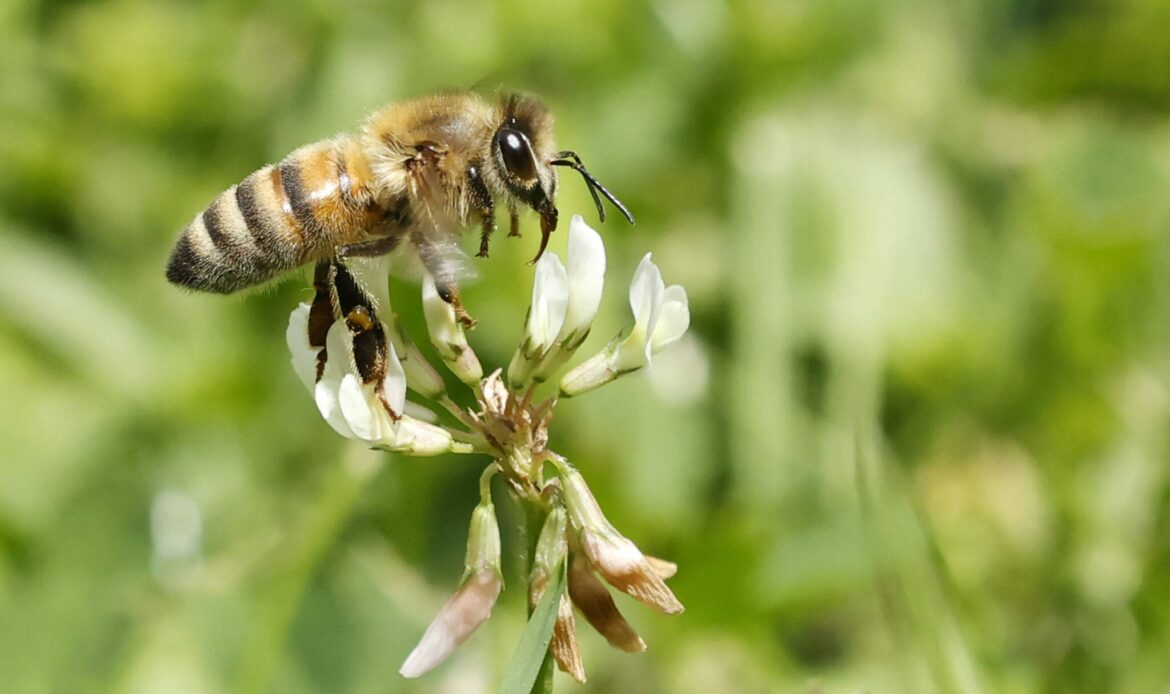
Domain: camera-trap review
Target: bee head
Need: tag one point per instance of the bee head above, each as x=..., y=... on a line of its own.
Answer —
x=525, y=160
x=522, y=152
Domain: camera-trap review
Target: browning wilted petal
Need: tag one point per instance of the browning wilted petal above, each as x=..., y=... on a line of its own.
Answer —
x=614, y=556
x=623, y=565
x=459, y=617
x=665, y=569
x=595, y=602
x=564, y=641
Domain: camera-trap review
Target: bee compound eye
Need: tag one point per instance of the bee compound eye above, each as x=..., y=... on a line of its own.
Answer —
x=516, y=153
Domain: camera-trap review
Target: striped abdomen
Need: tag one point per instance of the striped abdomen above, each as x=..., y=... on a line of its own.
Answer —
x=280, y=217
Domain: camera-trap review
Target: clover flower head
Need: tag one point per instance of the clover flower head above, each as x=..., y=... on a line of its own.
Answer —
x=351, y=353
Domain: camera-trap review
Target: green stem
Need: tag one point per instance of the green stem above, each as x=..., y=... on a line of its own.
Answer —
x=469, y=442
x=457, y=411
x=485, y=483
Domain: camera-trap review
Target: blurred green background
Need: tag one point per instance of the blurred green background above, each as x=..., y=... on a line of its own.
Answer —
x=915, y=441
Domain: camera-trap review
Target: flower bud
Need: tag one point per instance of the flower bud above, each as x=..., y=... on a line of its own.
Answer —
x=551, y=549
x=592, y=373
x=616, y=558
x=416, y=437
x=447, y=335
x=421, y=377
x=483, y=540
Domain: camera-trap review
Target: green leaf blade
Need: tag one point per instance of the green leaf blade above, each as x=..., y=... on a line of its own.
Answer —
x=533, y=646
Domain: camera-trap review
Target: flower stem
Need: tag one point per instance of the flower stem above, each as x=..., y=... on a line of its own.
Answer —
x=469, y=442
x=456, y=411
x=485, y=482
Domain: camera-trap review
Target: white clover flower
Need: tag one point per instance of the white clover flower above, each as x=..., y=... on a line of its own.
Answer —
x=472, y=604
x=459, y=617
x=354, y=409
x=552, y=549
x=564, y=303
x=661, y=317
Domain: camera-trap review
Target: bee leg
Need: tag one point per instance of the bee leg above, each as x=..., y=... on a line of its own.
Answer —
x=515, y=221
x=489, y=225
x=450, y=294
x=370, y=352
x=321, y=312
x=481, y=199
x=369, y=249
x=439, y=266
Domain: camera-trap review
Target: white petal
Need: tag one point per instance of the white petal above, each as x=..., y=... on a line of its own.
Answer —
x=420, y=412
x=633, y=353
x=586, y=276
x=325, y=395
x=550, y=298
x=646, y=292
x=440, y=316
x=359, y=408
x=456, y=621
x=673, y=319
x=394, y=384
x=338, y=346
x=447, y=335
x=416, y=437
x=304, y=357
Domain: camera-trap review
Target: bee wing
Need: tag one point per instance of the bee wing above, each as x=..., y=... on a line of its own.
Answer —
x=438, y=220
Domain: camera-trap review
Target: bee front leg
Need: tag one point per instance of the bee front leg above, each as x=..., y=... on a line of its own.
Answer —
x=515, y=221
x=489, y=225
x=481, y=200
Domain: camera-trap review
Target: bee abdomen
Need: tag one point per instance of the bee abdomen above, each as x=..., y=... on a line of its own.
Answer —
x=278, y=218
x=240, y=240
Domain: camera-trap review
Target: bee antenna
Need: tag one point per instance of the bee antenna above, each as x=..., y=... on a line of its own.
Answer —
x=579, y=166
x=571, y=160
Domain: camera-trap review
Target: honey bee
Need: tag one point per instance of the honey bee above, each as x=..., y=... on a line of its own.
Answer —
x=420, y=170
